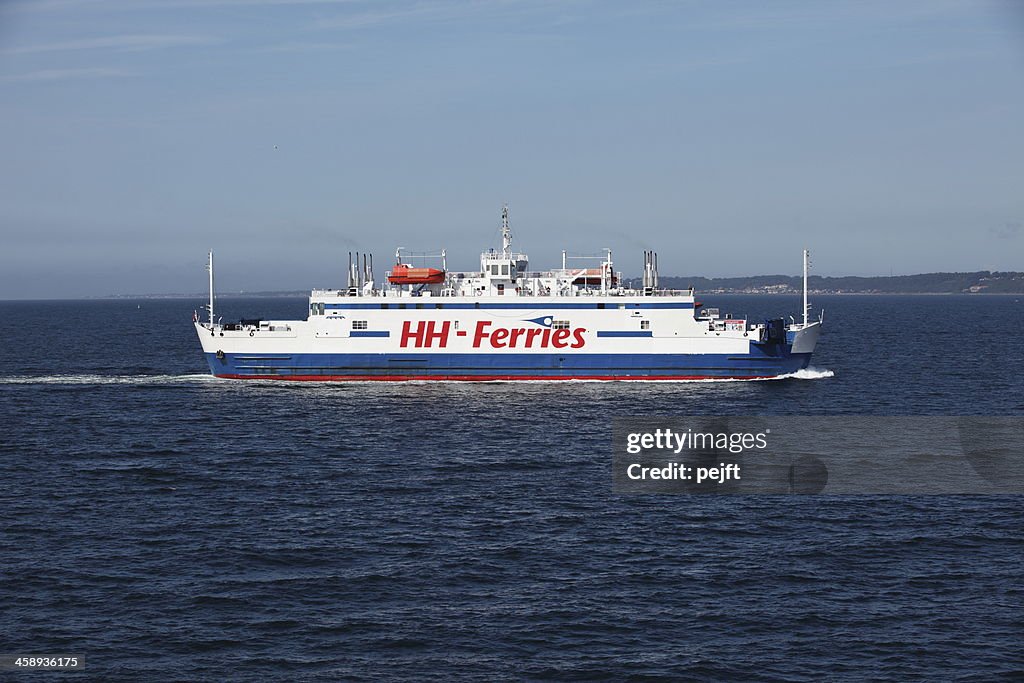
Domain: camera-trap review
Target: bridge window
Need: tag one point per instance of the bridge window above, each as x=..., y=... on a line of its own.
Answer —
x=504, y=269
x=359, y=325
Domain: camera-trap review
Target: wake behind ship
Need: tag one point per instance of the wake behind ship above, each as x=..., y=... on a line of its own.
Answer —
x=505, y=322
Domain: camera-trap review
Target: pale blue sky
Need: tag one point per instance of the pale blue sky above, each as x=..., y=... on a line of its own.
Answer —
x=284, y=133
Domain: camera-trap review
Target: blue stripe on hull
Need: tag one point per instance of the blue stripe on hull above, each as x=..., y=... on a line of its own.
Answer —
x=625, y=333
x=511, y=365
x=434, y=305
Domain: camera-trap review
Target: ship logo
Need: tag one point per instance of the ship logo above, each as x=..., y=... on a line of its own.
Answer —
x=426, y=334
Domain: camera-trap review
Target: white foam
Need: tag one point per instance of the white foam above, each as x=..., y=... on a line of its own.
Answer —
x=809, y=373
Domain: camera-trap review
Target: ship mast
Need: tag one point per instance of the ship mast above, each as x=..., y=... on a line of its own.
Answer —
x=506, y=233
x=209, y=267
x=807, y=256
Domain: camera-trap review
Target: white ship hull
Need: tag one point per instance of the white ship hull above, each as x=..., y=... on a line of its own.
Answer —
x=504, y=322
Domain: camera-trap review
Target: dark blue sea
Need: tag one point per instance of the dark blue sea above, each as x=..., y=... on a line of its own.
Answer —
x=164, y=525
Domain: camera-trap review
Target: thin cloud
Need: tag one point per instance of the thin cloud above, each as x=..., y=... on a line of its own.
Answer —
x=1007, y=231
x=440, y=10
x=770, y=17
x=44, y=75
x=266, y=3
x=305, y=47
x=365, y=19
x=117, y=5
x=137, y=42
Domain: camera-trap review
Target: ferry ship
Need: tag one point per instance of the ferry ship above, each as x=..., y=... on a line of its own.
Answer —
x=505, y=322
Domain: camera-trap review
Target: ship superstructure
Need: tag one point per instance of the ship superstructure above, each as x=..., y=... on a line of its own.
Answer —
x=506, y=322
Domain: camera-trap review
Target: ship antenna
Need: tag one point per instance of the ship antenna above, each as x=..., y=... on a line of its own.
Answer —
x=209, y=267
x=506, y=233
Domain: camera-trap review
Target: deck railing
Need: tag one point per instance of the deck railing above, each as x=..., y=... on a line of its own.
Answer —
x=588, y=291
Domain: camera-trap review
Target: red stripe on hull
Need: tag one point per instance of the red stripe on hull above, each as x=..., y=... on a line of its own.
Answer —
x=481, y=378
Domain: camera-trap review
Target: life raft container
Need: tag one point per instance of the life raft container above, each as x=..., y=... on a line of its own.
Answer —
x=592, y=276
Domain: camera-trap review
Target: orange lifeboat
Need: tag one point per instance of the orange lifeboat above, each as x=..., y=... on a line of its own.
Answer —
x=404, y=274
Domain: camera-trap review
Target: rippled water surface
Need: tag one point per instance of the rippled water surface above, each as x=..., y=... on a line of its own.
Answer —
x=167, y=525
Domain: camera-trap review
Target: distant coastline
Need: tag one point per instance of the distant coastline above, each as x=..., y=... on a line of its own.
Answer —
x=979, y=282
